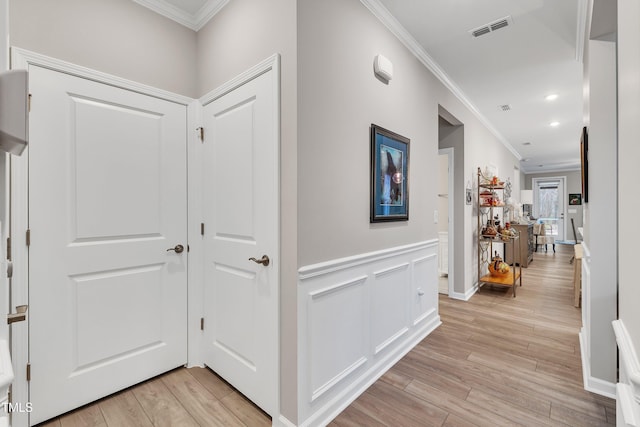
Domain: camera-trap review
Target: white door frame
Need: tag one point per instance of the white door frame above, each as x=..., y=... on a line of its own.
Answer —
x=22, y=59
x=449, y=152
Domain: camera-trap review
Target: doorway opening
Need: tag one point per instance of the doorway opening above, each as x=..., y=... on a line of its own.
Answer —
x=451, y=205
x=549, y=205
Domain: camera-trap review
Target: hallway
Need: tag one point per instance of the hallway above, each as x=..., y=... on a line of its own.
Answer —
x=494, y=361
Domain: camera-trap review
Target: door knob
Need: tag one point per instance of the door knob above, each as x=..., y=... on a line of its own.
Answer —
x=178, y=249
x=264, y=260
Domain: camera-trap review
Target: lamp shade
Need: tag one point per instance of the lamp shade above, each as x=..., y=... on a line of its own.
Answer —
x=526, y=197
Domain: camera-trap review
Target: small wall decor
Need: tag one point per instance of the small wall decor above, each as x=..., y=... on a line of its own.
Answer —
x=575, y=199
x=468, y=196
x=389, y=176
x=584, y=162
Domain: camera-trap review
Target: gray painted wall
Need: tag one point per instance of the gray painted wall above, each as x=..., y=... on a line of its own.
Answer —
x=338, y=99
x=600, y=218
x=628, y=171
x=118, y=37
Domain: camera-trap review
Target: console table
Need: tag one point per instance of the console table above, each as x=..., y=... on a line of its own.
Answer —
x=526, y=244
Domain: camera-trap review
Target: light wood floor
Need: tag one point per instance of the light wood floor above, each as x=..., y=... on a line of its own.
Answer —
x=495, y=361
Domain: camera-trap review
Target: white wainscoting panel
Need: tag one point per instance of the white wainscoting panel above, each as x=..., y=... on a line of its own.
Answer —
x=587, y=338
x=628, y=387
x=358, y=316
x=390, y=305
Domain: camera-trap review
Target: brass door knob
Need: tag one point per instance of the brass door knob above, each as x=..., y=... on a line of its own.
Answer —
x=264, y=260
x=177, y=248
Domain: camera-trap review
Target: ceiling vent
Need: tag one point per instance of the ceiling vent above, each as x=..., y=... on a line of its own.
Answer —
x=492, y=26
x=504, y=107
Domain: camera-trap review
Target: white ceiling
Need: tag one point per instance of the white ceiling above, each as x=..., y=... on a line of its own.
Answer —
x=538, y=54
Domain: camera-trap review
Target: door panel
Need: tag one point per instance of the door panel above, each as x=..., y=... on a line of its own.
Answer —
x=107, y=198
x=241, y=204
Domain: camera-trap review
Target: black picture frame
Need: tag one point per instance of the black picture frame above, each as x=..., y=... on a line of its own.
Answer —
x=575, y=199
x=584, y=163
x=389, y=175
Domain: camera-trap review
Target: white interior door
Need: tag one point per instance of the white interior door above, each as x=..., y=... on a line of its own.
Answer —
x=241, y=208
x=107, y=198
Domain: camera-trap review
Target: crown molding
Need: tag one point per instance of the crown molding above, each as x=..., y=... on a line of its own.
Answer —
x=194, y=22
x=389, y=21
x=581, y=30
x=208, y=11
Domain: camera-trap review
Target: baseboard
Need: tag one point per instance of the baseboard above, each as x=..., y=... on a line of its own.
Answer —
x=282, y=421
x=592, y=384
x=628, y=387
x=464, y=296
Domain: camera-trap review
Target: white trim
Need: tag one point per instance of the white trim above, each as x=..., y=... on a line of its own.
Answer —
x=272, y=62
x=592, y=384
x=628, y=358
x=627, y=409
x=282, y=421
x=208, y=11
x=22, y=59
x=192, y=21
x=195, y=281
x=381, y=12
x=451, y=261
x=465, y=296
x=581, y=28
x=310, y=271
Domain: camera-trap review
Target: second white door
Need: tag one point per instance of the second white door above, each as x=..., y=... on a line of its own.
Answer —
x=242, y=228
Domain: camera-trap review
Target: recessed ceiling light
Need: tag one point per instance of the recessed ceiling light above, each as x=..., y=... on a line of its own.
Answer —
x=554, y=124
x=525, y=160
x=551, y=97
x=526, y=143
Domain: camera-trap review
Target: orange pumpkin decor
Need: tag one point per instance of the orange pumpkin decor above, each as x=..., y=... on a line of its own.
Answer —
x=498, y=267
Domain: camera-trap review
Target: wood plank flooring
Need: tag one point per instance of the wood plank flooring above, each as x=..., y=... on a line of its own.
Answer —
x=180, y=398
x=495, y=361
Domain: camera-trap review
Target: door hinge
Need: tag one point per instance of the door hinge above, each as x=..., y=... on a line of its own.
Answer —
x=202, y=323
x=28, y=237
x=200, y=131
x=202, y=228
x=28, y=371
x=9, y=248
x=29, y=102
